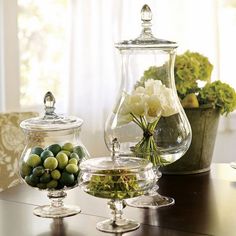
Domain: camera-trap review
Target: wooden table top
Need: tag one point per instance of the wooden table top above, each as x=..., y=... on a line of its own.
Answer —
x=205, y=205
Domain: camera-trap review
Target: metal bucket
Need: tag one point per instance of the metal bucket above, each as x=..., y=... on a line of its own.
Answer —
x=204, y=123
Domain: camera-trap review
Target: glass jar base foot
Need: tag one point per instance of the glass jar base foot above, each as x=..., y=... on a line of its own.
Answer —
x=120, y=226
x=150, y=201
x=48, y=211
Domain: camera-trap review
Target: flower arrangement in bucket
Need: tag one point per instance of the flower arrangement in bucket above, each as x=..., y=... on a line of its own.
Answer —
x=192, y=72
x=203, y=102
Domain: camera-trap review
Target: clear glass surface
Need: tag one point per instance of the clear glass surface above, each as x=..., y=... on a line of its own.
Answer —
x=172, y=133
x=116, y=178
x=148, y=120
x=152, y=199
x=51, y=158
x=117, y=224
x=56, y=208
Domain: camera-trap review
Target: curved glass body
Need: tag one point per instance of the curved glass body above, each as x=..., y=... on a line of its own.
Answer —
x=148, y=92
x=63, y=147
x=117, y=178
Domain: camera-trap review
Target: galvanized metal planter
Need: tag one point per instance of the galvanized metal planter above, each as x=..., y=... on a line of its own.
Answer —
x=204, y=124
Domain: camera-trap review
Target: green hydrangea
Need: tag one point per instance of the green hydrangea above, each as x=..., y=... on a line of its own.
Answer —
x=153, y=72
x=219, y=95
x=190, y=68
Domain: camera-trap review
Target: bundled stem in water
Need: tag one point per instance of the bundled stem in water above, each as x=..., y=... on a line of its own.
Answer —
x=147, y=147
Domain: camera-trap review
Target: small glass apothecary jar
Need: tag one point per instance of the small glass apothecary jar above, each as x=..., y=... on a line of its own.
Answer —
x=50, y=160
x=117, y=178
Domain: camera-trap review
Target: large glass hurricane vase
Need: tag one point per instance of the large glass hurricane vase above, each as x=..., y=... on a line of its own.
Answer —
x=148, y=111
x=148, y=120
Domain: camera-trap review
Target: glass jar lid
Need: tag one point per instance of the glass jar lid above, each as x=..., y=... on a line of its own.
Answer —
x=146, y=40
x=106, y=164
x=51, y=121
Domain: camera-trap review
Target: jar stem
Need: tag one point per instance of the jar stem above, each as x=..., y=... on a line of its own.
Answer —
x=56, y=198
x=116, y=207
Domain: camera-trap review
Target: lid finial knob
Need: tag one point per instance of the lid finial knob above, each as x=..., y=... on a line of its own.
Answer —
x=49, y=102
x=146, y=17
x=146, y=13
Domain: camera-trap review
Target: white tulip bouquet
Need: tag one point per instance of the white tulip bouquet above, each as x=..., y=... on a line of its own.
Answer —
x=145, y=106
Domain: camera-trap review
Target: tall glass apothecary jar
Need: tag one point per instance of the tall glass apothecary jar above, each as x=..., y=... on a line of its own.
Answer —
x=51, y=158
x=148, y=120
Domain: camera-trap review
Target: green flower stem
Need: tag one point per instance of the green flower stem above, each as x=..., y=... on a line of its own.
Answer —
x=147, y=147
x=143, y=121
x=136, y=120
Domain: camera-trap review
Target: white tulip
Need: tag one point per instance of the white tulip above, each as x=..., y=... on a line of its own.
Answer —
x=137, y=104
x=152, y=87
x=168, y=103
x=151, y=101
x=153, y=108
x=123, y=120
x=139, y=90
x=124, y=107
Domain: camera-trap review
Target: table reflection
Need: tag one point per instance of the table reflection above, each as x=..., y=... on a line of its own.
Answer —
x=195, y=207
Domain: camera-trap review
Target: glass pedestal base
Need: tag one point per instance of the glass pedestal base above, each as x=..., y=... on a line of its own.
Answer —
x=153, y=199
x=150, y=201
x=57, y=208
x=118, y=226
x=48, y=211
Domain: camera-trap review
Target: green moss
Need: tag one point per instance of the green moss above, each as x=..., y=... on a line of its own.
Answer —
x=114, y=184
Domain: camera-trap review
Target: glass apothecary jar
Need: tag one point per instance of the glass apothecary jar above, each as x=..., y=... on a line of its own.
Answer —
x=50, y=160
x=148, y=120
x=117, y=178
